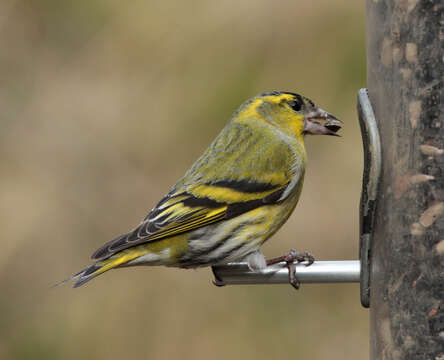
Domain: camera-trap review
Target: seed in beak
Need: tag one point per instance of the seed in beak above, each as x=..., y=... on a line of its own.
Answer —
x=332, y=127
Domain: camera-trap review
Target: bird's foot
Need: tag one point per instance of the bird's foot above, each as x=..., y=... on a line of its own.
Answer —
x=290, y=258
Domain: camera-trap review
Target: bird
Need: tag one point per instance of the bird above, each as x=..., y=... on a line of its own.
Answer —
x=240, y=191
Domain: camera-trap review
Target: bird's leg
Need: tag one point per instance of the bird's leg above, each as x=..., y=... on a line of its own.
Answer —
x=290, y=258
x=292, y=275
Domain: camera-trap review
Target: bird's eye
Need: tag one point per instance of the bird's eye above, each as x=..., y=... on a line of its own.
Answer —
x=295, y=104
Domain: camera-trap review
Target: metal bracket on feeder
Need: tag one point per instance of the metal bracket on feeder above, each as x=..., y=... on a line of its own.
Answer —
x=370, y=184
x=329, y=271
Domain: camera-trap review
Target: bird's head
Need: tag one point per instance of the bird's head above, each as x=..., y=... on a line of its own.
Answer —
x=293, y=113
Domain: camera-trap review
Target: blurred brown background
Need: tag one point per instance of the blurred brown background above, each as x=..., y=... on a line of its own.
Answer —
x=104, y=105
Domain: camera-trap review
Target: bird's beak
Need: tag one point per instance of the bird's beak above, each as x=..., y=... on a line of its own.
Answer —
x=313, y=125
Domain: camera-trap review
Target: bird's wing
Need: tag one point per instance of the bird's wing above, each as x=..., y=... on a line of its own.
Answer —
x=220, y=185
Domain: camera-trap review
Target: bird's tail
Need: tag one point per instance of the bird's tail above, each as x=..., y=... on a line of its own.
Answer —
x=100, y=267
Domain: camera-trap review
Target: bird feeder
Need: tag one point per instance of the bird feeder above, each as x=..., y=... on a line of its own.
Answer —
x=401, y=263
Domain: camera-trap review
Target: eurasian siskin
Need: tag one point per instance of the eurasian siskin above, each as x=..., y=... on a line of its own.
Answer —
x=234, y=197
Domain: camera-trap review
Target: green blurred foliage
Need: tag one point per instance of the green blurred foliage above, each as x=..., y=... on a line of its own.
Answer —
x=104, y=105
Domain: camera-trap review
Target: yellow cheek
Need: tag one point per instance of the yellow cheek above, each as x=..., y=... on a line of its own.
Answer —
x=298, y=124
x=295, y=126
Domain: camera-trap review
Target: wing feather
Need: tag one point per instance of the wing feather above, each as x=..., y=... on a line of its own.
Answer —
x=188, y=214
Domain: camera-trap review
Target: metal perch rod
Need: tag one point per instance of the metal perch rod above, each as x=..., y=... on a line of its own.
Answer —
x=346, y=271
